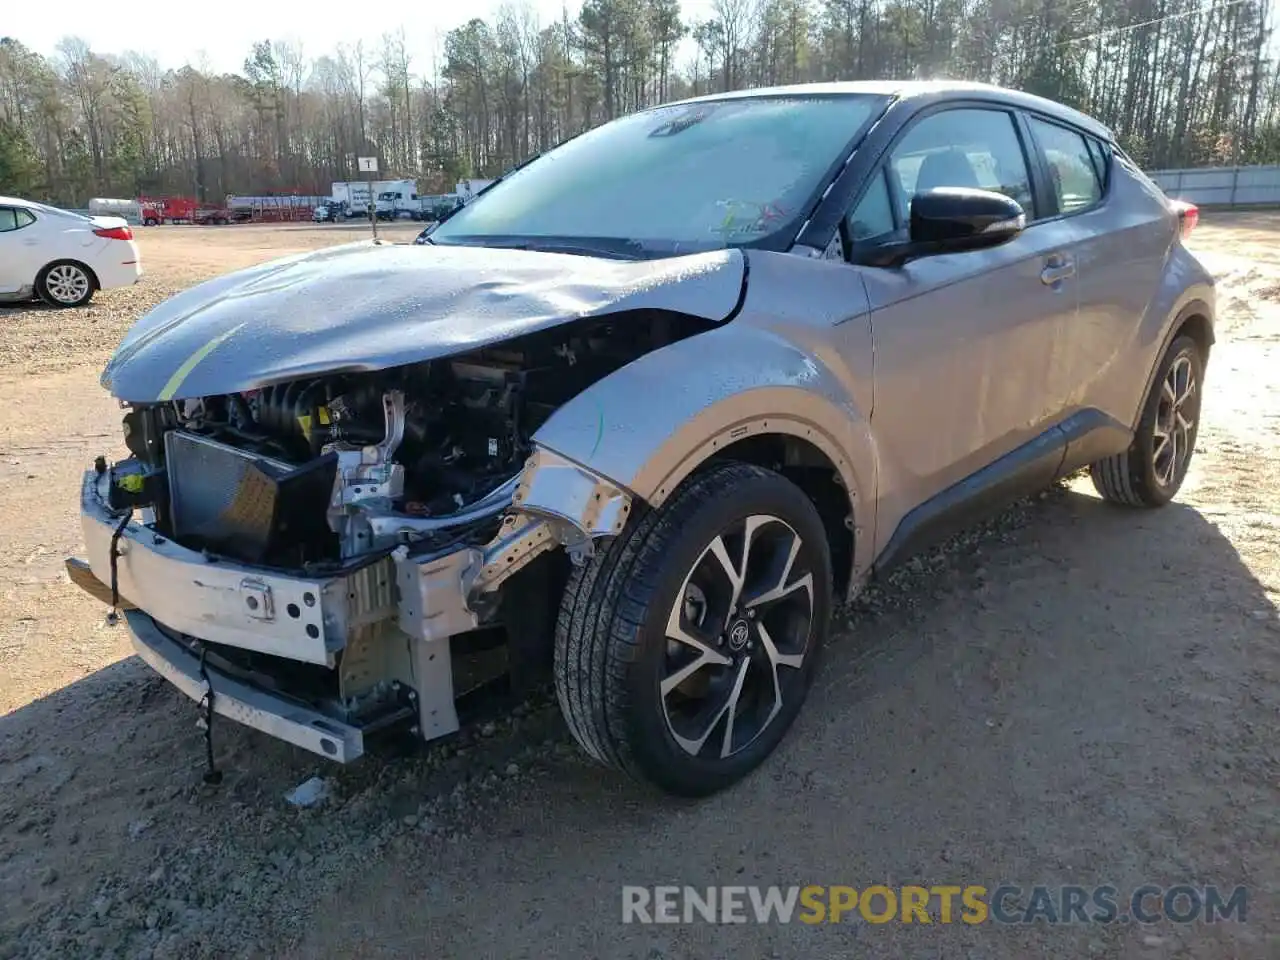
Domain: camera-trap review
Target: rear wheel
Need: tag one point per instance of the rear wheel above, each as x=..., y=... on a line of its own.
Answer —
x=685, y=649
x=65, y=284
x=1151, y=471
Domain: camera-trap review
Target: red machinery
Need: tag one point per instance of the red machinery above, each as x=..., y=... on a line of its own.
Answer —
x=167, y=210
x=238, y=209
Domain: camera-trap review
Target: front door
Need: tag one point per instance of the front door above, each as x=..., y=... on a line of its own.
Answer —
x=968, y=366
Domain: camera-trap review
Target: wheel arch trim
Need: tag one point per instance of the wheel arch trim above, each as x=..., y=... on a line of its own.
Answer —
x=655, y=473
x=661, y=474
x=1196, y=307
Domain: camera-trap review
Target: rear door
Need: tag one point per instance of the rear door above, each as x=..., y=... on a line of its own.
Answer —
x=967, y=367
x=20, y=249
x=1121, y=235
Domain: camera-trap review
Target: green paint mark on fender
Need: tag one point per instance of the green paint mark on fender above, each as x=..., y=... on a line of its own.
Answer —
x=181, y=374
x=599, y=430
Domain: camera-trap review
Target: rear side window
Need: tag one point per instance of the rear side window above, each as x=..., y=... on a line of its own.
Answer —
x=1073, y=165
x=15, y=218
x=1101, y=155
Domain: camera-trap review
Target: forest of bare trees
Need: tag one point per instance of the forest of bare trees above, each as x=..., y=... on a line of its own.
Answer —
x=1183, y=82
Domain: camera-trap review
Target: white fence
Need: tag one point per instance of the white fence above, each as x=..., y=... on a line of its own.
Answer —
x=1222, y=186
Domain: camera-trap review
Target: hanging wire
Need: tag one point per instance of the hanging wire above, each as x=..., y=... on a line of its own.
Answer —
x=1115, y=31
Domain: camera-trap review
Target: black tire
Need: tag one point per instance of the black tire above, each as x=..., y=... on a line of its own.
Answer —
x=612, y=650
x=1139, y=477
x=66, y=284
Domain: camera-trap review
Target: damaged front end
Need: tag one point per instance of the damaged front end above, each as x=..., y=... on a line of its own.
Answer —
x=340, y=554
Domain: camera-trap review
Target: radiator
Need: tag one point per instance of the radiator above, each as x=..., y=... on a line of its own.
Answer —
x=246, y=507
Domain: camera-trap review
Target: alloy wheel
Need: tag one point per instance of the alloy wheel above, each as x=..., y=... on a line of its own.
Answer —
x=1174, y=430
x=736, y=638
x=67, y=283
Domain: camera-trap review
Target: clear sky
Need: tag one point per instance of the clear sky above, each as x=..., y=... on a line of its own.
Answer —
x=223, y=30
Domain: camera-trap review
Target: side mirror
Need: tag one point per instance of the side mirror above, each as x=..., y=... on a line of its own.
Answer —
x=952, y=220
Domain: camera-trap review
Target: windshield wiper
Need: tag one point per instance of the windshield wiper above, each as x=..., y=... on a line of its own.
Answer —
x=611, y=247
x=581, y=246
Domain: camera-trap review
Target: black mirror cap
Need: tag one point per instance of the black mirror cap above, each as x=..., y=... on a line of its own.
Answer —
x=958, y=218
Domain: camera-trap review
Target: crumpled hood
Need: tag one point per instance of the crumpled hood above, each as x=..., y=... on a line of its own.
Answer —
x=365, y=306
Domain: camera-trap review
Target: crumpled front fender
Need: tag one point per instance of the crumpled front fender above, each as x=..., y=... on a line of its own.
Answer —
x=642, y=430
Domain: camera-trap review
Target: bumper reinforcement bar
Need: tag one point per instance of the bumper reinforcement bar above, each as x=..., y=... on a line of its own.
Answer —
x=242, y=702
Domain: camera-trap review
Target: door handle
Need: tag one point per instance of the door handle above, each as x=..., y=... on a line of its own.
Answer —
x=1056, y=269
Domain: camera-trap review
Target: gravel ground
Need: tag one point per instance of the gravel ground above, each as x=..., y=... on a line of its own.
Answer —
x=1071, y=694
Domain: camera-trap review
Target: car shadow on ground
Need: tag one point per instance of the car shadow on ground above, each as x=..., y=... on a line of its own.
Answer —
x=1064, y=696
x=1068, y=693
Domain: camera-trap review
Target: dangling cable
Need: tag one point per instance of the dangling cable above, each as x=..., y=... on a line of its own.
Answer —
x=113, y=616
x=212, y=775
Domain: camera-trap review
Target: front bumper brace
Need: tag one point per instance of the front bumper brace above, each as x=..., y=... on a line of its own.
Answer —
x=270, y=713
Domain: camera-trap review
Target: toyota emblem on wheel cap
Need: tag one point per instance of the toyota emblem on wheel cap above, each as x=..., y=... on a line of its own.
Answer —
x=738, y=634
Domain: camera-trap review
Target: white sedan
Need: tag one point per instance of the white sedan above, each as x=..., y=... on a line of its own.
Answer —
x=60, y=256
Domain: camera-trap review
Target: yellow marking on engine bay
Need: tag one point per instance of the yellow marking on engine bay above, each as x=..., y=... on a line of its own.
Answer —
x=181, y=374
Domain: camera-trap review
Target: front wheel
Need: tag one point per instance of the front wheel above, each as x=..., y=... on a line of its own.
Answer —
x=1151, y=471
x=685, y=649
x=65, y=284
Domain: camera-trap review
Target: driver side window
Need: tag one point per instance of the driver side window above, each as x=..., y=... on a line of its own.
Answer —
x=976, y=148
x=972, y=148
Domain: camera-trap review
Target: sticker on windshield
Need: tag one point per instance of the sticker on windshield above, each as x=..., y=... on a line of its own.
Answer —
x=748, y=217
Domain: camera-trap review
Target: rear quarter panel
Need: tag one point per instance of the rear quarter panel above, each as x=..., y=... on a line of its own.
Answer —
x=1136, y=278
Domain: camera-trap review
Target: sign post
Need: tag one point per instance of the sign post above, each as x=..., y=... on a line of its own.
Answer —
x=369, y=165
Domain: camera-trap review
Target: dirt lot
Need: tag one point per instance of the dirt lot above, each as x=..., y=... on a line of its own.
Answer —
x=1072, y=695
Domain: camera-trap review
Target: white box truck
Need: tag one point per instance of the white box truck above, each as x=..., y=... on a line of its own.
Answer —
x=354, y=195
x=467, y=189
x=398, y=200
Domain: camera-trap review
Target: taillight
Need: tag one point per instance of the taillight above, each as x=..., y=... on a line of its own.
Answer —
x=1188, y=216
x=114, y=233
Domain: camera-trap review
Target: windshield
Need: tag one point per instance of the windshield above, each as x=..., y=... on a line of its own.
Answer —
x=677, y=178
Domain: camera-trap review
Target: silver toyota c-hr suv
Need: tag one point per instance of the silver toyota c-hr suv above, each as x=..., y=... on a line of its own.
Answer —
x=639, y=414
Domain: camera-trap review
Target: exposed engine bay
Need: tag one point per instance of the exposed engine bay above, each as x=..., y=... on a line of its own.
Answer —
x=353, y=542
x=316, y=473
